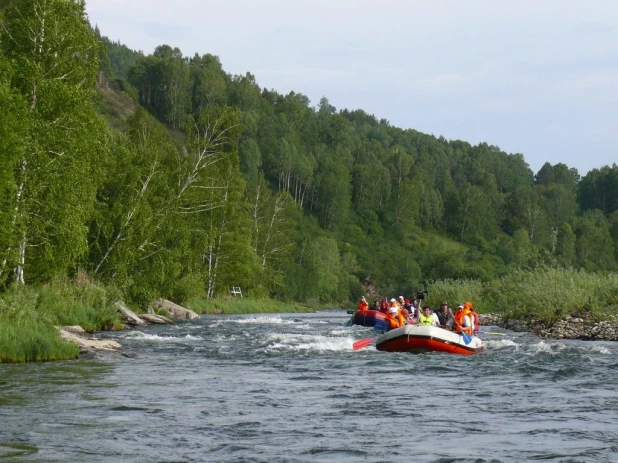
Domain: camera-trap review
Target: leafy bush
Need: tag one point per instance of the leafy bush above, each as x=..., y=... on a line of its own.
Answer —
x=544, y=293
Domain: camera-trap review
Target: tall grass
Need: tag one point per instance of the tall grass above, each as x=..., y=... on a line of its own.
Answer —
x=28, y=316
x=545, y=293
x=33, y=343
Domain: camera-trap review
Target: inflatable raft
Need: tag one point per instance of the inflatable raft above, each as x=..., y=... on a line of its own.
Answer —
x=418, y=338
x=369, y=318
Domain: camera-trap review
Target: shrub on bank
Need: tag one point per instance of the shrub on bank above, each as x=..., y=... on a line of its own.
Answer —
x=547, y=294
x=455, y=292
x=62, y=302
x=28, y=316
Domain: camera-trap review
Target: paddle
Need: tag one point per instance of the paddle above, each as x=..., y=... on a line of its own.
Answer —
x=493, y=333
x=362, y=343
x=466, y=337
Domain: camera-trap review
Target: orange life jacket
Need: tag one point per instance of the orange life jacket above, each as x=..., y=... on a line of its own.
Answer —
x=362, y=305
x=459, y=321
x=392, y=321
x=396, y=321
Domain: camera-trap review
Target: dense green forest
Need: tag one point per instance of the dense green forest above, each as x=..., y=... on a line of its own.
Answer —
x=164, y=175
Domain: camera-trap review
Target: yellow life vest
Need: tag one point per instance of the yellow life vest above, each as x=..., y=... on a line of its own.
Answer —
x=423, y=320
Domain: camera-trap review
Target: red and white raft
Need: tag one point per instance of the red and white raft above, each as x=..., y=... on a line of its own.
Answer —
x=419, y=338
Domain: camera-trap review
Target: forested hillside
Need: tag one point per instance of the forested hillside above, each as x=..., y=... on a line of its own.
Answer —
x=202, y=180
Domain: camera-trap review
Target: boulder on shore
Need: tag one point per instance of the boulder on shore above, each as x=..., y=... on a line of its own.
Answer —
x=129, y=316
x=155, y=319
x=567, y=327
x=68, y=333
x=175, y=311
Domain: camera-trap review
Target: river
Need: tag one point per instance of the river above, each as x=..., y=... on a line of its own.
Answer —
x=290, y=388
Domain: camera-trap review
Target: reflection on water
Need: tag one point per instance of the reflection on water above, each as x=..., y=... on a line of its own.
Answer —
x=290, y=388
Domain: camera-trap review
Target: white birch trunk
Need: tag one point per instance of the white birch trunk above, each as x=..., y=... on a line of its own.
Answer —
x=127, y=222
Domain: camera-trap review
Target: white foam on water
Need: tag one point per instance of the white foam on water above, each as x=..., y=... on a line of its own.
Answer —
x=339, y=332
x=501, y=344
x=547, y=348
x=601, y=350
x=261, y=320
x=307, y=342
x=154, y=337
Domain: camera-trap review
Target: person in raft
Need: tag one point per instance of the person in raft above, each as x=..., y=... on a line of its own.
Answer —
x=426, y=317
x=375, y=306
x=384, y=306
x=394, y=316
x=445, y=316
x=463, y=318
x=362, y=305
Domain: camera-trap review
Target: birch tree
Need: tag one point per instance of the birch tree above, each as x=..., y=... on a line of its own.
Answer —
x=134, y=204
x=13, y=134
x=55, y=56
x=210, y=193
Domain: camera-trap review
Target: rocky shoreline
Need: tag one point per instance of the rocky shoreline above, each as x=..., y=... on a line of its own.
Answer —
x=568, y=327
x=87, y=344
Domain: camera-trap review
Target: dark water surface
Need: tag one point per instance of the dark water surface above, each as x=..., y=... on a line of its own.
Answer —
x=289, y=388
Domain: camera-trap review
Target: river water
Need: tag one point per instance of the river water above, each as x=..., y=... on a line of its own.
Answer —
x=290, y=388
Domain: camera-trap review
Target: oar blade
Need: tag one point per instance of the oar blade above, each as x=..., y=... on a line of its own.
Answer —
x=467, y=338
x=362, y=343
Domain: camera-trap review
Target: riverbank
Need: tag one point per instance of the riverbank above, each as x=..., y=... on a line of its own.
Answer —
x=568, y=327
x=57, y=321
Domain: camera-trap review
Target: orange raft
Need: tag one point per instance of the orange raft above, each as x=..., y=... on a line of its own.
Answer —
x=419, y=338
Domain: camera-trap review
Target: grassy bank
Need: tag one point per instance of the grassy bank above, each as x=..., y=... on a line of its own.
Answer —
x=548, y=294
x=33, y=343
x=28, y=316
x=245, y=305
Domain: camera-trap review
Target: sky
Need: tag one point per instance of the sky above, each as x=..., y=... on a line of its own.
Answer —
x=536, y=77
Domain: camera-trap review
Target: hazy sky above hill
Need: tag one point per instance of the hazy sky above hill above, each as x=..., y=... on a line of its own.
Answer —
x=533, y=77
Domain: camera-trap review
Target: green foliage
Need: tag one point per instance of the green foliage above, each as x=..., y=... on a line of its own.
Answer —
x=55, y=56
x=456, y=292
x=599, y=190
x=322, y=265
x=33, y=343
x=13, y=134
x=594, y=244
x=543, y=293
x=119, y=58
x=28, y=315
x=62, y=302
